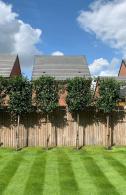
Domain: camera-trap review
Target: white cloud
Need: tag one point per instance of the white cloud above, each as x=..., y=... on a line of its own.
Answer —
x=17, y=37
x=57, y=53
x=102, y=67
x=107, y=19
x=6, y=14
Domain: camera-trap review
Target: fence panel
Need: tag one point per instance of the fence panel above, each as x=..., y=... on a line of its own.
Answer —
x=61, y=131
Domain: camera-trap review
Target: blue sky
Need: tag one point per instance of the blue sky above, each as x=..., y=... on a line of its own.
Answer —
x=68, y=26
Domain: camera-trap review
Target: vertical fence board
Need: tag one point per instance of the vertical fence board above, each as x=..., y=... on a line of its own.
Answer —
x=90, y=133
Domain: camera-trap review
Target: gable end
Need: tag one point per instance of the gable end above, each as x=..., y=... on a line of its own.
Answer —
x=16, y=70
x=122, y=70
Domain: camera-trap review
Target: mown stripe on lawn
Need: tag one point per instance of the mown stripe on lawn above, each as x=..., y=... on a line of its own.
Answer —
x=9, y=170
x=85, y=183
x=19, y=180
x=97, y=175
x=4, y=161
x=6, y=157
x=68, y=184
x=117, y=165
x=51, y=185
x=109, y=171
x=35, y=183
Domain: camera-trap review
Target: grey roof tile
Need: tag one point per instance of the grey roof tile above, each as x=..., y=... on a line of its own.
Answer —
x=60, y=67
x=6, y=64
x=120, y=78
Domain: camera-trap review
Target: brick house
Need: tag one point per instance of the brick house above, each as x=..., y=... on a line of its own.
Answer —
x=62, y=68
x=122, y=70
x=122, y=78
x=9, y=66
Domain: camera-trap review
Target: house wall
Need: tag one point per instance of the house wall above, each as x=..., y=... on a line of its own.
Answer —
x=16, y=70
x=122, y=71
x=96, y=92
x=62, y=97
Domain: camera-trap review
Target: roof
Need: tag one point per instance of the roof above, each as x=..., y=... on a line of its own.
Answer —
x=123, y=88
x=122, y=63
x=60, y=67
x=118, y=78
x=124, y=60
x=6, y=64
x=123, y=92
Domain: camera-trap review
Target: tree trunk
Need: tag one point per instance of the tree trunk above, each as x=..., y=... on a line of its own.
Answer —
x=108, y=133
x=0, y=139
x=27, y=132
x=17, y=132
x=47, y=141
x=56, y=136
x=83, y=136
x=77, y=136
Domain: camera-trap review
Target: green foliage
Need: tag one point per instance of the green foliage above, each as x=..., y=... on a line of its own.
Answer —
x=79, y=94
x=3, y=89
x=109, y=90
x=20, y=95
x=46, y=91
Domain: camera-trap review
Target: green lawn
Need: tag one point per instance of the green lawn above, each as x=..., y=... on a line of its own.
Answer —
x=63, y=171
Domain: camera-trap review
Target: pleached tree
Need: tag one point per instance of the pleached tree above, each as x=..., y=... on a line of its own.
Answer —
x=20, y=99
x=79, y=98
x=109, y=90
x=46, y=97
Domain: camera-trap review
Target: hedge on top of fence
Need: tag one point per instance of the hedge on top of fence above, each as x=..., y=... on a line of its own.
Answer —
x=79, y=97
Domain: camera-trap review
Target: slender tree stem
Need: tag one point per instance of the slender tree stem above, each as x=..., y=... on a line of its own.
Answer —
x=47, y=133
x=77, y=136
x=108, y=133
x=56, y=136
x=17, y=132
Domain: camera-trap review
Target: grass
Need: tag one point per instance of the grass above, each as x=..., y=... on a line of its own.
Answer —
x=33, y=171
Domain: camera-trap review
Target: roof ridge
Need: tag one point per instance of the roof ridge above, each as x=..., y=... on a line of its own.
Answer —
x=8, y=54
x=46, y=55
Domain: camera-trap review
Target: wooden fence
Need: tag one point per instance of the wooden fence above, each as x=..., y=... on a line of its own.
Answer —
x=62, y=130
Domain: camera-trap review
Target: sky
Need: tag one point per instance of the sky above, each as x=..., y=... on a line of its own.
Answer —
x=94, y=28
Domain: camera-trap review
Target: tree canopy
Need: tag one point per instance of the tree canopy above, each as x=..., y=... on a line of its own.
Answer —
x=3, y=89
x=20, y=95
x=79, y=95
x=109, y=90
x=46, y=94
